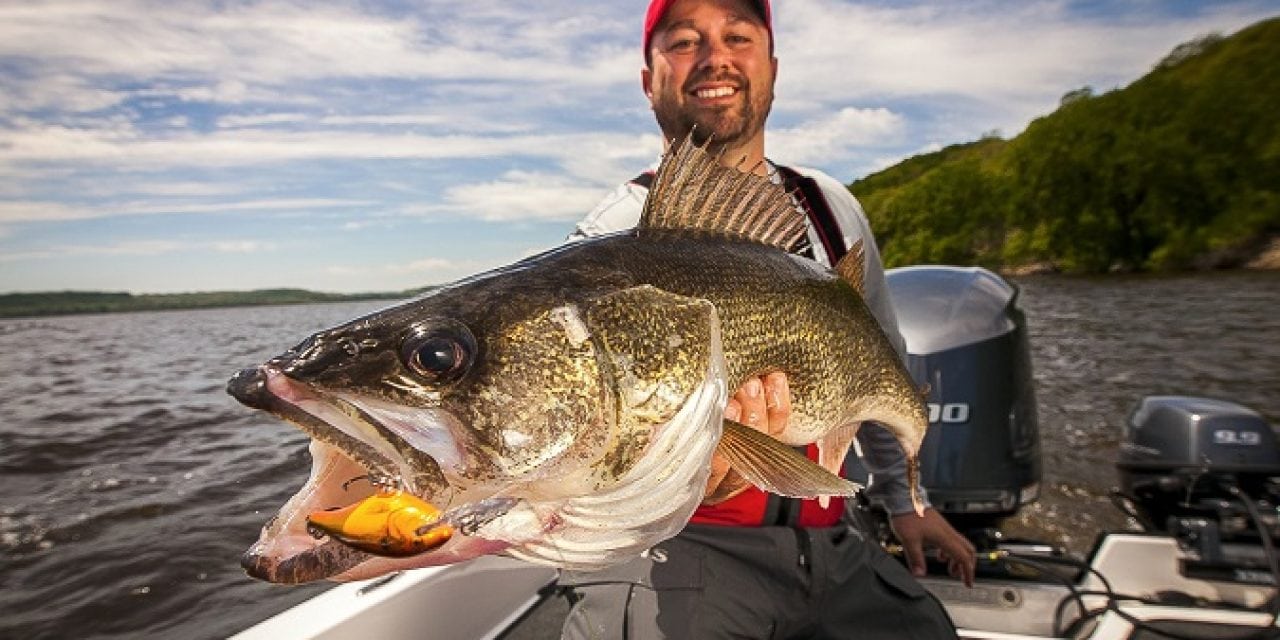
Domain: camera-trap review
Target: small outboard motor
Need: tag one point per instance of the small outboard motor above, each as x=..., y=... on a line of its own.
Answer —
x=1207, y=472
x=966, y=340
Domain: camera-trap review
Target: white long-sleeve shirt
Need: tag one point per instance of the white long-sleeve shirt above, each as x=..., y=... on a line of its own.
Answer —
x=880, y=451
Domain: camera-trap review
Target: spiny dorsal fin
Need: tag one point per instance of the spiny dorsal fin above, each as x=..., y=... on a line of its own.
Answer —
x=692, y=190
x=850, y=267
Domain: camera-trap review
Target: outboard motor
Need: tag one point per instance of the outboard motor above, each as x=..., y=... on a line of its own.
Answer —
x=1206, y=472
x=966, y=340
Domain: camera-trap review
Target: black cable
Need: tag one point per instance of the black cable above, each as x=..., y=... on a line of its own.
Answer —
x=1112, y=601
x=1268, y=549
x=1038, y=563
x=1093, y=613
x=1263, y=633
x=1126, y=504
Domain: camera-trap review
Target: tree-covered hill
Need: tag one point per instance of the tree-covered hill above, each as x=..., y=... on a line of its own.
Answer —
x=1181, y=169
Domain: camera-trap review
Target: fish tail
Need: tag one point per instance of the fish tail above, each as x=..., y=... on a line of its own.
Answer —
x=913, y=483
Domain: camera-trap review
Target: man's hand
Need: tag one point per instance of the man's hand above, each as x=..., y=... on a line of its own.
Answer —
x=764, y=404
x=932, y=529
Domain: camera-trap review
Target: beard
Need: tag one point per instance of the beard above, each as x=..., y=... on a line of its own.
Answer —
x=724, y=127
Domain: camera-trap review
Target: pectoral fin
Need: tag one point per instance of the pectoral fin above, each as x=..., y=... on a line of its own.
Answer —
x=777, y=468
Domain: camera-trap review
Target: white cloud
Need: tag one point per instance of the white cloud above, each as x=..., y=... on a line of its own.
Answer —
x=486, y=113
x=835, y=137
x=130, y=148
x=46, y=211
x=29, y=211
x=232, y=92
x=1012, y=60
x=130, y=248
x=526, y=196
x=436, y=270
x=258, y=120
x=55, y=90
x=471, y=123
x=389, y=119
x=230, y=52
x=177, y=188
x=242, y=246
x=139, y=248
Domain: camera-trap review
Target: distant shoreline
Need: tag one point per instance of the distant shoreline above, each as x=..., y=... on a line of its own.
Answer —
x=1267, y=259
x=63, y=303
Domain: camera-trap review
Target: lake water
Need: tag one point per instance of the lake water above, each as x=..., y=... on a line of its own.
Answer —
x=130, y=483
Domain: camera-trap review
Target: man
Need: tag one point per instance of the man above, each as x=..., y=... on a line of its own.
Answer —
x=751, y=565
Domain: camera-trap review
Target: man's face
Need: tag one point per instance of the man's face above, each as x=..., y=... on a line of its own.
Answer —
x=710, y=66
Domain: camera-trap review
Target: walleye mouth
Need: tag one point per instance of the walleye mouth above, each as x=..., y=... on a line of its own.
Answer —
x=358, y=448
x=286, y=552
x=268, y=389
x=289, y=551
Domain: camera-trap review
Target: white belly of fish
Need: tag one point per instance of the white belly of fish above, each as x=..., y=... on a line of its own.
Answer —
x=650, y=503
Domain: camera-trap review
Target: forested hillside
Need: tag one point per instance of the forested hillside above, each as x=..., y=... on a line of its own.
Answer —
x=1179, y=170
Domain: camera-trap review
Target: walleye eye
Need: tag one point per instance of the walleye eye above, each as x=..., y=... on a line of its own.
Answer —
x=438, y=358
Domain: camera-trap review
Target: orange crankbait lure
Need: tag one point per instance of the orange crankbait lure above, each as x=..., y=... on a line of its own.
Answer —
x=388, y=523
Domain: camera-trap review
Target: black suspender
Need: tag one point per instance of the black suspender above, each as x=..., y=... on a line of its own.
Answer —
x=809, y=194
x=645, y=180
x=778, y=510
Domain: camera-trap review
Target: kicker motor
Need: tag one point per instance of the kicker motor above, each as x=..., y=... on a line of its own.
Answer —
x=1206, y=472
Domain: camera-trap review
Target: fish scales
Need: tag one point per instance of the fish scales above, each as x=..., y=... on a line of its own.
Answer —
x=570, y=403
x=826, y=338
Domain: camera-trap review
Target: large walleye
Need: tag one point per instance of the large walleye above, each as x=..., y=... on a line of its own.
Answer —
x=564, y=409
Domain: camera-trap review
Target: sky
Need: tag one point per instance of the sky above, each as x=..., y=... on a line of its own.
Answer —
x=380, y=145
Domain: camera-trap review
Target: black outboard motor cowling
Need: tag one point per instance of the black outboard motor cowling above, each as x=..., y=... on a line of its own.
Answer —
x=966, y=339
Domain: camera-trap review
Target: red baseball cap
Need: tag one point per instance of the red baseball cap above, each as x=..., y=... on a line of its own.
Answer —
x=658, y=8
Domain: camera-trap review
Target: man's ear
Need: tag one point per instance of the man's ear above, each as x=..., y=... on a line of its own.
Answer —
x=645, y=77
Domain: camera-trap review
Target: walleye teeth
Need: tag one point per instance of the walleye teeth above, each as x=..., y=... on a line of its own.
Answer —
x=316, y=532
x=320, y=414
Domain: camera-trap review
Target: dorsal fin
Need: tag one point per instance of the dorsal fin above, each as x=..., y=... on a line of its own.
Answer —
x=851, y=267
x=692, y=190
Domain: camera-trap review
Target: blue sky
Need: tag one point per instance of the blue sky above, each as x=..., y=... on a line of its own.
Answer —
x=379, y=145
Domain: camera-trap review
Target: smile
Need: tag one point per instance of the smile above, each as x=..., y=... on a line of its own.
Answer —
x=717, y=92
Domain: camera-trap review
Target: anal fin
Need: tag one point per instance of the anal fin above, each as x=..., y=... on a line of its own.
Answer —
x=777, y=468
